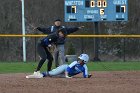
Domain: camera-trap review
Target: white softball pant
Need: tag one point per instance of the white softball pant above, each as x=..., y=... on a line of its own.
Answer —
x=58, y=70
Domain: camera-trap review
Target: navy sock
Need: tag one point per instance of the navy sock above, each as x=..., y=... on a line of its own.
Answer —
x=44, y=74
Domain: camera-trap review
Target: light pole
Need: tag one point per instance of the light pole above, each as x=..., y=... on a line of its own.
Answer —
x=23, y=32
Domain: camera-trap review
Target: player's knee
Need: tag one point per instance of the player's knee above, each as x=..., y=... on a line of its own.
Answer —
x=44, y=58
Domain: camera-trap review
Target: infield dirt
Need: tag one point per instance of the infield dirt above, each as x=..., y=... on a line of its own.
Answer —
x=100, y=82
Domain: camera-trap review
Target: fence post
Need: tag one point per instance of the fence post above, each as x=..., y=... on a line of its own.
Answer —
x=96, y=43
x=124, y=49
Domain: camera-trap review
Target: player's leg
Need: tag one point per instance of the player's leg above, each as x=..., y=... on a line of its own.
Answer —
x=56, y=71
x=50, y=59
x=43, y=57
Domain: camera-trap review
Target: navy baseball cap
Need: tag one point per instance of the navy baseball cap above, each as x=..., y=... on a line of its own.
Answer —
x=57, y=20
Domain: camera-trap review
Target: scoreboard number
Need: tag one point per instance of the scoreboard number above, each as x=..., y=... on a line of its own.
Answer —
x=104, y=4
x=99, y=3
x=102, y=12
x=92, y=3
x=73, y=9
x=123, y=9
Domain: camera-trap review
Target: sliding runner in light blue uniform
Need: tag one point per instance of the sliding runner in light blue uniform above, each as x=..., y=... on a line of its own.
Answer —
x=68, y=71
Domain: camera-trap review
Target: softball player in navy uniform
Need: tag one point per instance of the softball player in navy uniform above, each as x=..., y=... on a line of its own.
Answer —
x=68, y=71
x=44, y=53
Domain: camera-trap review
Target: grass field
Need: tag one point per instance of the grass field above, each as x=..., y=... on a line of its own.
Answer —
x=21, y=67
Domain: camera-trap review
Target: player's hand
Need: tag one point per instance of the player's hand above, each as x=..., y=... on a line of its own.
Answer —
x=37, y=28
x=80, y=27
x=49, y=45
x=89, y=75
x=68, y=77
x=34, y=28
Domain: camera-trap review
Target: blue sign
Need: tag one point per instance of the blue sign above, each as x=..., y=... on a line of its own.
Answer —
x=96, y=10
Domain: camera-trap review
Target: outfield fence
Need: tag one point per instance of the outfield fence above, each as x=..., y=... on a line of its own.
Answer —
x=111, y=47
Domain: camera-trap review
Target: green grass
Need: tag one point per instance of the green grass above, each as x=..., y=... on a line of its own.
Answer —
x=114, y=66
x=21, y=67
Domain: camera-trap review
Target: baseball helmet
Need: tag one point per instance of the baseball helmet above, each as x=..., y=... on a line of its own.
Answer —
x=84, y=57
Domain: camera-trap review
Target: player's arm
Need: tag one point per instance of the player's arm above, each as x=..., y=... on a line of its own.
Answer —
x=85, y=72
x=53, y=37
x=73, y=29
x=44, y=30
x=50, y=39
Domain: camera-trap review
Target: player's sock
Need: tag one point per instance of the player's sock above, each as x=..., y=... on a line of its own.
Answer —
x=44, y=74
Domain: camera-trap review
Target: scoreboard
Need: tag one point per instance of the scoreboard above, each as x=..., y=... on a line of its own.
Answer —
x=95, y=10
